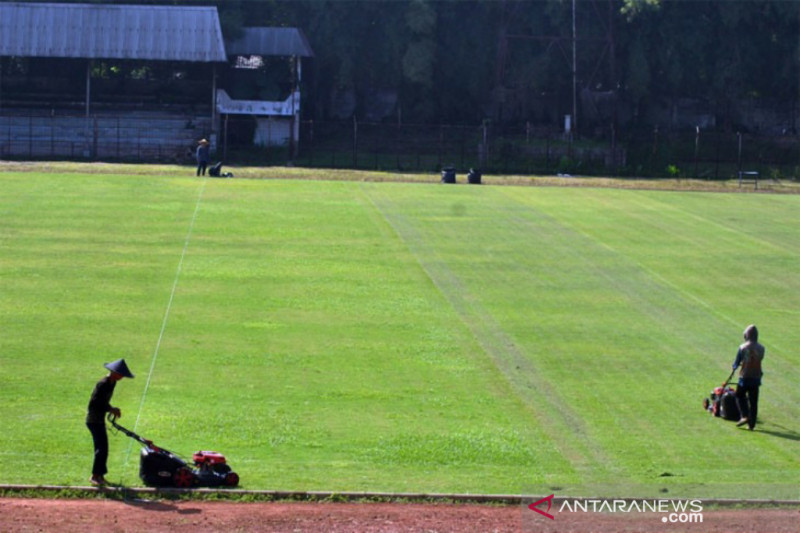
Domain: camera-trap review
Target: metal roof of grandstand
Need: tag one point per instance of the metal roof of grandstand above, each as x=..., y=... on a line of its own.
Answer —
x=111, y=31
x=271, y=42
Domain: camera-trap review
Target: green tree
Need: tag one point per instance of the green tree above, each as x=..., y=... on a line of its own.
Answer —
x=447, y=58
x=638, y=73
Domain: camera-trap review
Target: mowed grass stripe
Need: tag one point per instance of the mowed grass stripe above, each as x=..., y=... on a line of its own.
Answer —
x=660, y=365
x=335, y=330
x=721, y=259
x=85, y=265
x=618, y=232
x=558, y=268
x=556, y=418
x=759, y=250
x=758, y=247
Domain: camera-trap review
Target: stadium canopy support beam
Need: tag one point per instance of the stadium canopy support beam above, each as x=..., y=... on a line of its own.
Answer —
x=214, y=99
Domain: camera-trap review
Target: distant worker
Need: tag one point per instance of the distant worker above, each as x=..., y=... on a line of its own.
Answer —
x=202, y=156
x=748, y=360
x=99, y=405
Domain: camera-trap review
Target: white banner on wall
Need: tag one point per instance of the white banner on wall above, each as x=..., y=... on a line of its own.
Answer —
x=287, y=108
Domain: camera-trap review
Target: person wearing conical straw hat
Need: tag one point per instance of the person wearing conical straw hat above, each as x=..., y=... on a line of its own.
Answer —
x=99, y=405
x=202, y=156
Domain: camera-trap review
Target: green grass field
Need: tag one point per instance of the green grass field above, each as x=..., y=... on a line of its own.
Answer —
x=402, y=337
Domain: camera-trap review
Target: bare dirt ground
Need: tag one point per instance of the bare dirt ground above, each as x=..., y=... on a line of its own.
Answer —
x=93, y=515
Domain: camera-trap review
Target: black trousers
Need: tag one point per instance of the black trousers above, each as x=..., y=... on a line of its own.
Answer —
x=747, y=398
x=201, y=167
x=100, y=438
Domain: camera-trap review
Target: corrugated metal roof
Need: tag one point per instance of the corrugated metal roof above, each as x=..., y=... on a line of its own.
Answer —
x=102, y=31
x=271, y=42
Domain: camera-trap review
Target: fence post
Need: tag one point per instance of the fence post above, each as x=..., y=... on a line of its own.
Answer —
x=527, y=155
x=463, y=132
x=118, y=144
x=655, y=140
x=378, y=140
x=397, y=139
x=614, y=165
x=311, y=141
x=483, y=151
x=569, y=146
x=225, y=138
x=94, y=139
x=547, y=152
x=696, y=149
x=355, y=142
x=441, y=143
x=654, y=156
x=739, y=156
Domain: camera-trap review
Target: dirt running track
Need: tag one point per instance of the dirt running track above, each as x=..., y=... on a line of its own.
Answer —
x=34, y=515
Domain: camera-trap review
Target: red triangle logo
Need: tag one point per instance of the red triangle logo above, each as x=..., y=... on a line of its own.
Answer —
x=549, y=500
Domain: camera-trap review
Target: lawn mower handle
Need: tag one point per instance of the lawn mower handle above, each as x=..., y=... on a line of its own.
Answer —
x=113, y=419
x=727, y=381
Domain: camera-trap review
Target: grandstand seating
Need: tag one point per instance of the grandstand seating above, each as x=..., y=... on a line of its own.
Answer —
x=124, y=135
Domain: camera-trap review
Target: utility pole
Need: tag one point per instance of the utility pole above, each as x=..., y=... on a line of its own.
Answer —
x=574, y=72
x=600, y=49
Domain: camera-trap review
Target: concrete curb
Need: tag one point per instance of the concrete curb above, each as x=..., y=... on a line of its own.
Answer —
x=333, y=496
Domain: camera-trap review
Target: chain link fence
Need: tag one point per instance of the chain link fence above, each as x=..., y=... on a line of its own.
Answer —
x=525, y=149
x=490, y=148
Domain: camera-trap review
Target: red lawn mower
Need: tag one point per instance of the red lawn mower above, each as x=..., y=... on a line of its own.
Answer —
x=722, y=401
x=159, y=467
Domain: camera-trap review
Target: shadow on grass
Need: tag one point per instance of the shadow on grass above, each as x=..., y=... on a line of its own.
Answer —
x=785, y=433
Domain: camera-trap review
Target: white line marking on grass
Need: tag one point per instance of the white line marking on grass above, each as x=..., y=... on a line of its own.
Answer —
x=166, y=312
x=565, y=428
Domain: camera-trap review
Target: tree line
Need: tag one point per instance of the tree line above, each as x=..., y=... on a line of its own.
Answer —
x=608, y=62
x=464, y=61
